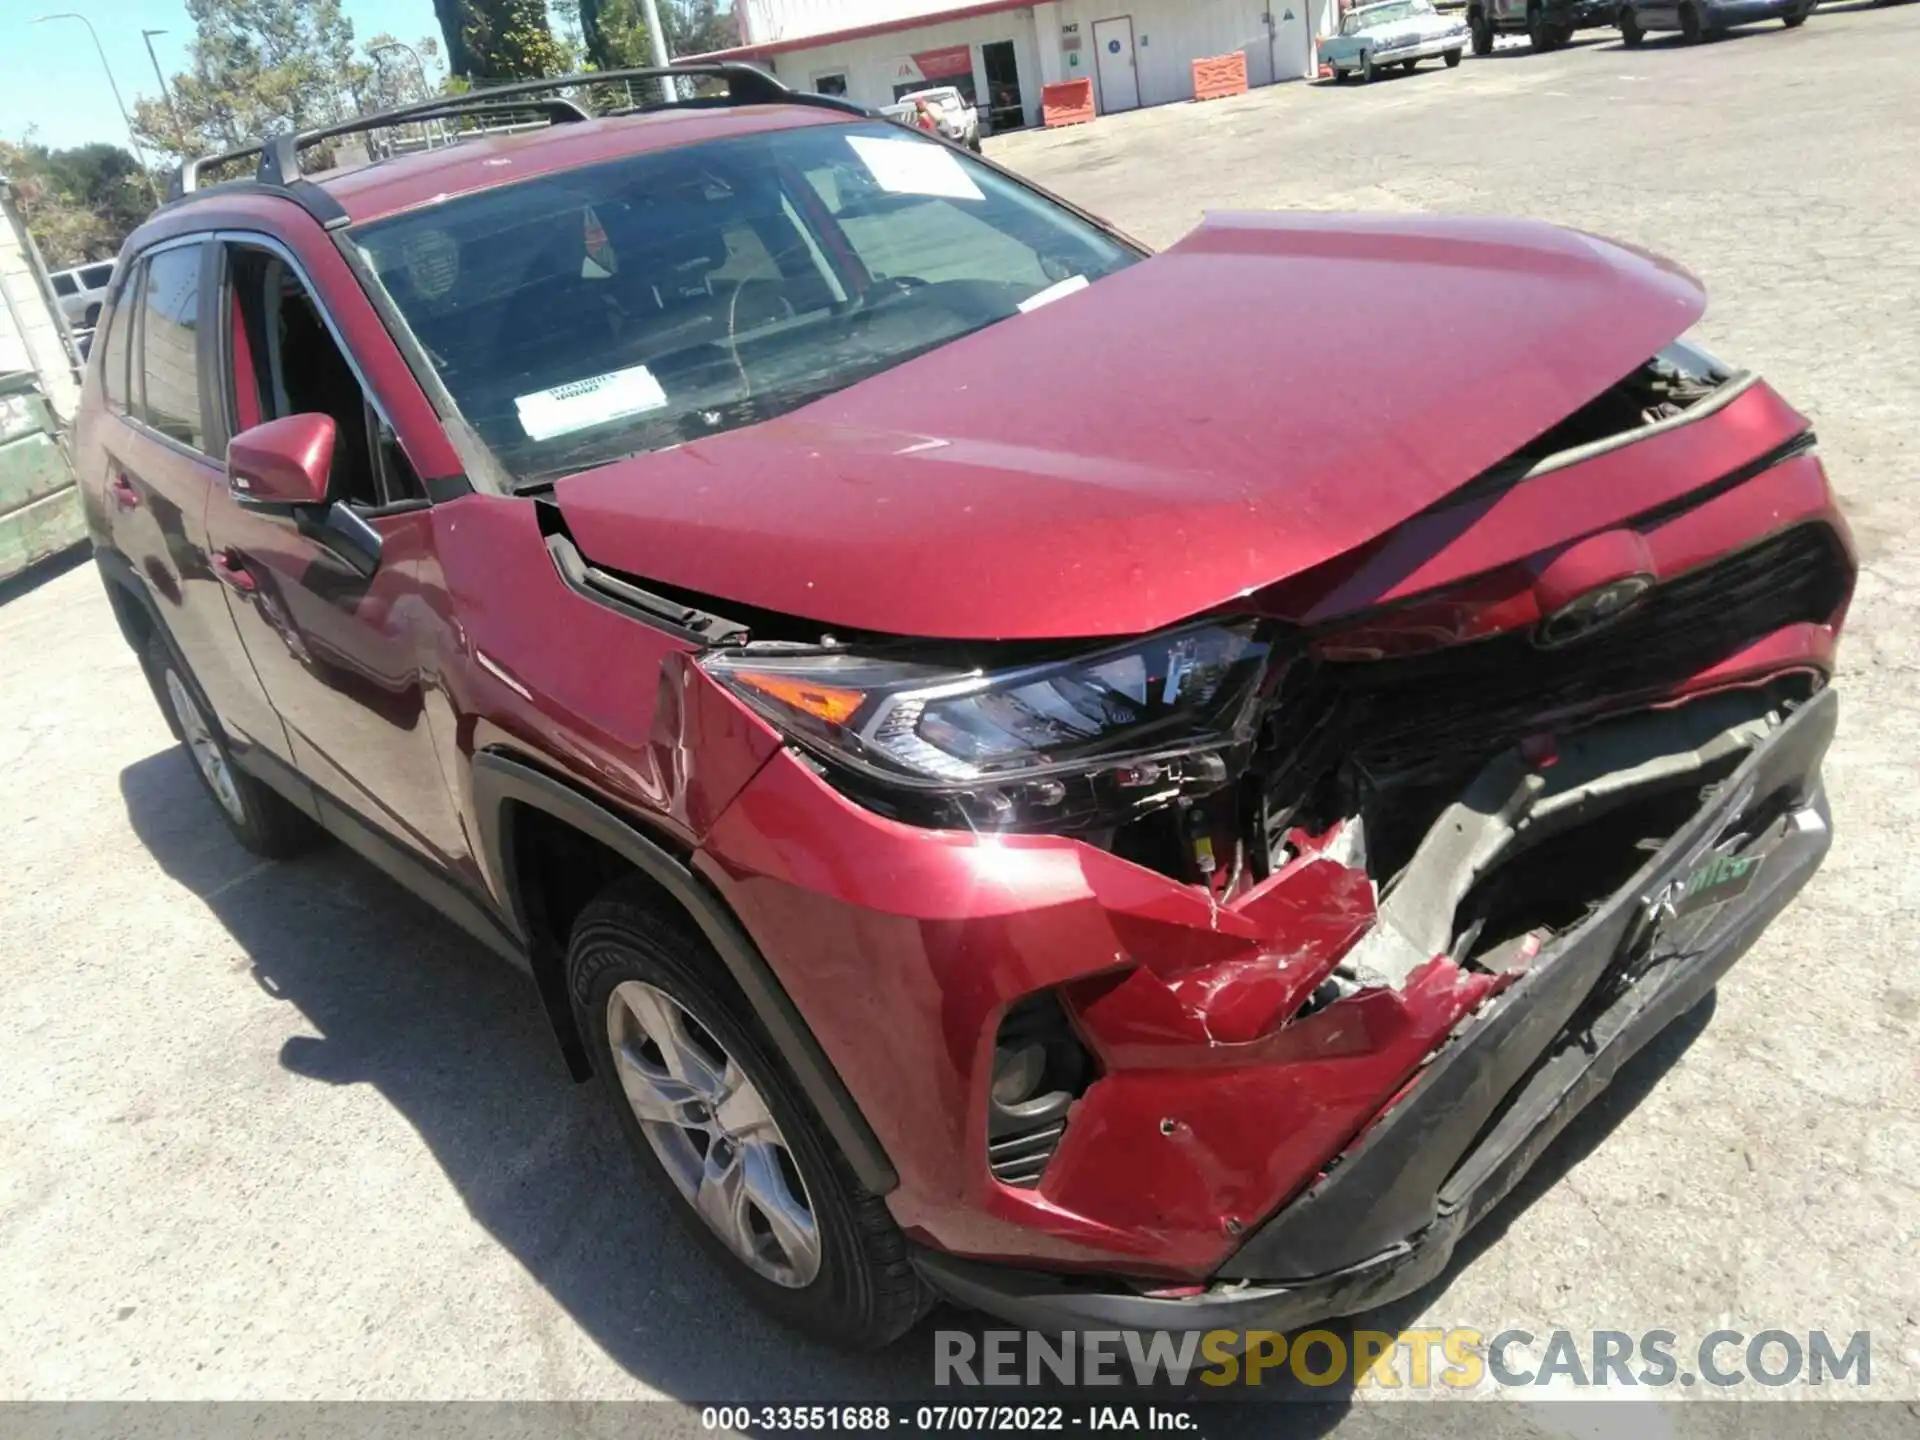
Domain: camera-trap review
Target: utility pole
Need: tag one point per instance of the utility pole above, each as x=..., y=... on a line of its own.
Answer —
x=114, y=85
x=179, y=130
x=660, y=57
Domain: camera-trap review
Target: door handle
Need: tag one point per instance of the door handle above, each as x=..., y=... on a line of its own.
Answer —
x=231, y=567
x=123, y=492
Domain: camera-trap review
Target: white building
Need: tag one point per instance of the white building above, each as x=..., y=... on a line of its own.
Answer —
x=1001, y=52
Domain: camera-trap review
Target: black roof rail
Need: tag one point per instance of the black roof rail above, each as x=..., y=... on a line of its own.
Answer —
x=279, y=155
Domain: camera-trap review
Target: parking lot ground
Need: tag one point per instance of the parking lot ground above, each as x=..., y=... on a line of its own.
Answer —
x=275, y=1131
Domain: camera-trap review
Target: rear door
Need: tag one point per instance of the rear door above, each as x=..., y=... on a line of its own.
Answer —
x=160, y=474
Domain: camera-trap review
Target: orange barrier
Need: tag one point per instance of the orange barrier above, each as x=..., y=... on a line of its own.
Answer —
x=1068, y=102
x=1220, y=75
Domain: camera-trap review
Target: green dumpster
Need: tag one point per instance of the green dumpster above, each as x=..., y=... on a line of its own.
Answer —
x=40, y=511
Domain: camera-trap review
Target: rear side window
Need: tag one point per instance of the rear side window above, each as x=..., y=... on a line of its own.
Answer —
x=169, y=348
x=64, y=285
x=113, y=356
x=97, y=277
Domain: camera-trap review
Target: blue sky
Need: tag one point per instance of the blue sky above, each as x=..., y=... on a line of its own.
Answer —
x=50, y=76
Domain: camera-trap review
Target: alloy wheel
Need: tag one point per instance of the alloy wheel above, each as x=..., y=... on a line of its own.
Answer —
x=713, y=1133
x=206, y=749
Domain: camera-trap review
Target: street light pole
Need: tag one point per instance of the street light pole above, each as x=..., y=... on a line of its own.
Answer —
x=179, y=130
x=420, y=69
x=659, y=37
x=113, y=85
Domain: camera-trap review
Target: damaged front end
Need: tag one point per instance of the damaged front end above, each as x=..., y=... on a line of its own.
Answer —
x=1255, y=958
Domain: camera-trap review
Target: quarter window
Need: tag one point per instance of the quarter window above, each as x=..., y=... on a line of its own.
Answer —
x=113, y=356
x=169, y=345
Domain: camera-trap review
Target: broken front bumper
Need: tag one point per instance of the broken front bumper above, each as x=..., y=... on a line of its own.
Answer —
x=1384, y=1218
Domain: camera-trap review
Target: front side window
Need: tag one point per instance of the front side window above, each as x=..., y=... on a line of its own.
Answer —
x=282, y=360
x=169, y=344
x=584, y=316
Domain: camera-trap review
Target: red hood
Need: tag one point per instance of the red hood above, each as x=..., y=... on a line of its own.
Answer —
x=1270, y=392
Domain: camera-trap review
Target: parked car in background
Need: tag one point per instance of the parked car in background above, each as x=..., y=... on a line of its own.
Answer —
x=1698, y=20
x=81, y=290
x=1393, y=32
x=955, y=117
x=1547, y=24
x=1005, y=797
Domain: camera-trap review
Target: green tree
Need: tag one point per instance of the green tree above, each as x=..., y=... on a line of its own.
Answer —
x=614, y=32
x=79, y=203
x=394, y=79
x=257, y=67
x=499, y=39
x=697, y=27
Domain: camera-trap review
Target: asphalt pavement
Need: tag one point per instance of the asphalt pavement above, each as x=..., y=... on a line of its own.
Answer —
x=274, y=1131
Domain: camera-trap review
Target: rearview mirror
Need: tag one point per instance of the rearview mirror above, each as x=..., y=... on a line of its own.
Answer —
x=283, y=462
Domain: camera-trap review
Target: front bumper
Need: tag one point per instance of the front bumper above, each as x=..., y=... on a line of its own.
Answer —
x=1385, y=1219
x=1394, y=55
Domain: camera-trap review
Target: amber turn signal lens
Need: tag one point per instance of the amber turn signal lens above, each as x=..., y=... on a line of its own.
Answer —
x=823, y=702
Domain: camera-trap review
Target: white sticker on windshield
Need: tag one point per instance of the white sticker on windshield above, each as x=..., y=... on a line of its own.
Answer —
x=585, y=403
x=1057, y=291
x=914, y=167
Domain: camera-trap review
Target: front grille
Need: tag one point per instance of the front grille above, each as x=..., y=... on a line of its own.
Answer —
x=1407, y=716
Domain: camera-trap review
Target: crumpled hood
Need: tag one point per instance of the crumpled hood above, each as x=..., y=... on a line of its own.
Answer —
x=1266, y=394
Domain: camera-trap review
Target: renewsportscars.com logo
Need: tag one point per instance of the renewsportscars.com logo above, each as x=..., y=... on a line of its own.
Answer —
x=1452, y=1359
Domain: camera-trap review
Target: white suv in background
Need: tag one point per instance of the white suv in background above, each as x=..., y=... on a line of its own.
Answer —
x=81, y=290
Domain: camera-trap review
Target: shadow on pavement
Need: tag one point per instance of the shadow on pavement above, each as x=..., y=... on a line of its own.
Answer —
x=455, y=1040
x=41, y=571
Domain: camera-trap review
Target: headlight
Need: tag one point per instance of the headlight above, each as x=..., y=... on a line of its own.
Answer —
x=1069, y=741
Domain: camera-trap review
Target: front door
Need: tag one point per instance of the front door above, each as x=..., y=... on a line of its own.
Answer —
x=333, y=637
x=1113, y=59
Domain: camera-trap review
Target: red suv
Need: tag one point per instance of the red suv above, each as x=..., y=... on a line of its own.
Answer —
x=1121, y=789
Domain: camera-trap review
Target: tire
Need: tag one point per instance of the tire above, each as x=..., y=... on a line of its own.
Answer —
x=1482, y=29
x=1366, y=69
x=1539, y=33
x=1407, y=67
x=1691, y=31
x=1453, y=58
x=1631, y=35
x=638, y=969
x=1340, y=77
x=259, y=817
x=1796, y=19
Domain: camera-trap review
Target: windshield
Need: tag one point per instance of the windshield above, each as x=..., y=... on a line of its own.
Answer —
x=591, y=314
x=1377, y=15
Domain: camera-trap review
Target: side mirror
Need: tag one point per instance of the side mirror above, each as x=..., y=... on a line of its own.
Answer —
x=283, y=462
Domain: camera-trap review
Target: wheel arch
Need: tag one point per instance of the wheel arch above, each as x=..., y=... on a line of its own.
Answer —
x=133, y=608
x=528, y=817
